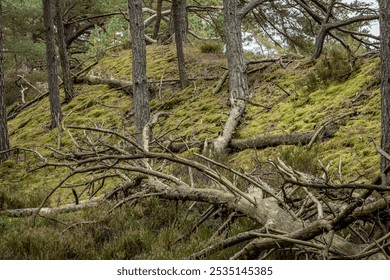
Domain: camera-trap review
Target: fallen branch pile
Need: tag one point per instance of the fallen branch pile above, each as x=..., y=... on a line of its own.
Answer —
x=302, y=214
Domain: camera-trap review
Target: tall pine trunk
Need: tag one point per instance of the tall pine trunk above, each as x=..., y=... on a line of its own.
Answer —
x=238, y=80
x=64, y=58
x=52, y=74
x=179, y=16
x=384, y=19
x=4, y=142
x=158, y=19
x=140, y=87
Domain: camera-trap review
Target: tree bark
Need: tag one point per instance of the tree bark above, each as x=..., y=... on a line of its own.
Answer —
x=179, y=16
x=4, y=142
x=263, y=141
x=384, y=20
x=238, y=80
x=25, y=212
x=124, y=85
x=295, y=138
x=140, y=87
x=158, y=19
x=64, y=58
x=54, y=96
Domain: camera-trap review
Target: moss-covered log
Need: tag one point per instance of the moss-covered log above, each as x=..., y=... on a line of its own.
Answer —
x=294, y=138
x=263, y=141
x=123, y=85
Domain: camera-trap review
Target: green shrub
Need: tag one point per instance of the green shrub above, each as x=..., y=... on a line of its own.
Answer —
x=334, y=65
x=211, y=47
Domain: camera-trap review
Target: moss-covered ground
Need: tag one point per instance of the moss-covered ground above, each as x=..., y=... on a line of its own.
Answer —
x=287, y=97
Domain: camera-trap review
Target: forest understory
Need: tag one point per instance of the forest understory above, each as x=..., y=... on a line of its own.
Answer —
x=299, y=179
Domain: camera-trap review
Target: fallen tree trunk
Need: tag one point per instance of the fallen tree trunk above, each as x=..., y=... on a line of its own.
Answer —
x=262, y=141
x=124, y=85
x=281, y=223
x=25, y=212
x=294, y=138
x=268, y=213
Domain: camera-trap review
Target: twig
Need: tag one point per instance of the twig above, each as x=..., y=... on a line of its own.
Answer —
x=316, y=201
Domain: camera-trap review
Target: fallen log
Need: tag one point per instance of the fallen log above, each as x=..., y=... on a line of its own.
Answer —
x=124, y=85
x=268, y=213
x=262, y=141
x=25, y=212
x=294, y=138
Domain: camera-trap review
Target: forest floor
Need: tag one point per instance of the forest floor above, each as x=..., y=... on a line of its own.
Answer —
x=335, y=96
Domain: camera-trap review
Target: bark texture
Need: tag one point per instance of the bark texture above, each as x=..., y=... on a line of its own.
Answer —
x=238, y=80
x=64, y=58
x=156, y=29
x=124, y=85
x=263, y=141
x=384, y=8
x=54, y=90
x=4, y=143
x=140, y=87
x=179, y=22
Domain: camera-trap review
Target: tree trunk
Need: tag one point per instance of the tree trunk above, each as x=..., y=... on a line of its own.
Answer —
x=66, y=74
x=384, y=20
x=158, y=19
x=179, y=22
x=238, y=80
x=4, y=143
x=140, y=87
x=54, y=96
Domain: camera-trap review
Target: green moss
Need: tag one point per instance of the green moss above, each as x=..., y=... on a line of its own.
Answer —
x=288, y=105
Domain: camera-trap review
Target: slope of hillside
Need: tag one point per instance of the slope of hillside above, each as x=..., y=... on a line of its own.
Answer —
x=287, y=96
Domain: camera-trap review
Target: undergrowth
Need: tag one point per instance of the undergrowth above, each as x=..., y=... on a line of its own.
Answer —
x=300, y=97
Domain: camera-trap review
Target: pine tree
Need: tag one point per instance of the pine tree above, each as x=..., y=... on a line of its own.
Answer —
x=4, y=142
x=54, y=95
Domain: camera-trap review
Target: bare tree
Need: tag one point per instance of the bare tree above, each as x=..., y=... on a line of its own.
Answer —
x=140, y=87
x=4, y=142
x=64, y=58
x=384, y=20
x=54, y=90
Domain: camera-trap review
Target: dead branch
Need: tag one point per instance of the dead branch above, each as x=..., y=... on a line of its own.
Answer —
x=305, y=180
x=24, y=212
x=279, y=225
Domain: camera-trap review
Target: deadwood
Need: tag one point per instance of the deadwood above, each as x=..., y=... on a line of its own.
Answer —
x=24, y=212
x=124, y=85
x=286, y=217
x=262, y=141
